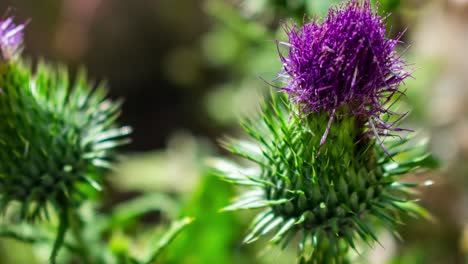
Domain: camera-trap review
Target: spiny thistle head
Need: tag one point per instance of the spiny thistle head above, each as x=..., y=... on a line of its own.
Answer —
x=56, y=137
x=329, y=199
x=345, y=62
x=11, y=38
x=342, y=70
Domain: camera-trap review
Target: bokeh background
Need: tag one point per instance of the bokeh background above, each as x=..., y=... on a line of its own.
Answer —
x=188, y=69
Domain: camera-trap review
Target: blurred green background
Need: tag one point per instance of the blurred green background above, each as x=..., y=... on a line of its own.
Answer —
x=188, y=69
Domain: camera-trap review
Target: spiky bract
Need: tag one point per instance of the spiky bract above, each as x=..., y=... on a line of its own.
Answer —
x=56, y=137
x=328, y=198
x=345, y=62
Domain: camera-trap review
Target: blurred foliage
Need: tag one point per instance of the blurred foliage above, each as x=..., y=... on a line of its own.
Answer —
x=417, y=86
x=115, y=237
x=175, y=169
x=212, y=237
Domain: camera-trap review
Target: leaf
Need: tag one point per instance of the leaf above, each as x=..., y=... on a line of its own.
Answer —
x=173, y=231
x=135, y=208
x=209, y=239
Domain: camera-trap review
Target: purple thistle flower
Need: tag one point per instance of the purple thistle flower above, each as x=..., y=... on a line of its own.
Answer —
x=11, y=38
x=344, y=65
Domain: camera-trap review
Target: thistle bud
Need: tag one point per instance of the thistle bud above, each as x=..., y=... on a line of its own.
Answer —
x=56, y=137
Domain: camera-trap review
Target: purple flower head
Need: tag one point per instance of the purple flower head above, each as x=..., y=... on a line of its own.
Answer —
x=344, y=65
x=11, y=38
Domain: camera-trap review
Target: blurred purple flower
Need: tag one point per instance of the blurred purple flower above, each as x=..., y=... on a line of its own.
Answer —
x=11, y=38
x=344, y=65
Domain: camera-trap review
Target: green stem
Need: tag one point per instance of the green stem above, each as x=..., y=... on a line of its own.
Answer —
x=76, y=228
x=61, y=232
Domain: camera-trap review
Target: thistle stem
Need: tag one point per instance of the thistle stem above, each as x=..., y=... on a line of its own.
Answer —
x=76, y=227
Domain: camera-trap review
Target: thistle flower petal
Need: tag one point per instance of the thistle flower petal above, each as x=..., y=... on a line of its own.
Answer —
x=344, y=63
x=11, y=38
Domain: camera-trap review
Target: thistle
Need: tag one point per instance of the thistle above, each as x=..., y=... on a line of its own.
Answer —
x=340, y=76
x=56, y=137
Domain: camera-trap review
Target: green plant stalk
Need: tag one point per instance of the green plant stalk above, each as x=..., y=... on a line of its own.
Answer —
x=76, y=227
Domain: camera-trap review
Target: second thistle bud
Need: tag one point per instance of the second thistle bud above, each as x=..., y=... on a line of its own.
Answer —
x=56, y=137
